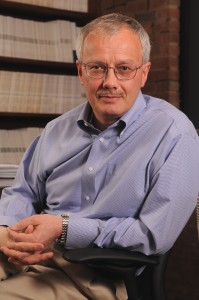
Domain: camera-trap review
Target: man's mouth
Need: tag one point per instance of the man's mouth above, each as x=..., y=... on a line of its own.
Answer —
x=105, y=95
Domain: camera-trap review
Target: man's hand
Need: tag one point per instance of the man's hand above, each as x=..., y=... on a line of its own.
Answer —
x=29, y=237
x=45, y=229
x=7, y=244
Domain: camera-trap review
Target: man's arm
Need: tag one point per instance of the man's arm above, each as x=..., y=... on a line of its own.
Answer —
x=170, y=201
x=19, y=201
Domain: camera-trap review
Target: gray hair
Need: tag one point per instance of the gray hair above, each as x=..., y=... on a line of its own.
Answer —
x=110, y=24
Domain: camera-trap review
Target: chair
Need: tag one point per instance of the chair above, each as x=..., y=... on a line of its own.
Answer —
x=197, y=206
x=197, y=214
x=149, y=285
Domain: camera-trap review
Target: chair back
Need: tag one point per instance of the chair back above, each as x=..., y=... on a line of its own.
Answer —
x=197, y=215
x=151, y=282
x=197, y=206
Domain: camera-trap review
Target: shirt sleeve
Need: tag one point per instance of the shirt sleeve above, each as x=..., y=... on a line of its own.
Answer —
x=19, y=201
x=169, y=203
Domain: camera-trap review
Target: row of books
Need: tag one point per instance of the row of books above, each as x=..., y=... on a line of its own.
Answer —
x=50, y=41
x=22, y=92
x=13, y=144
x=74, y=5
x=7, y=174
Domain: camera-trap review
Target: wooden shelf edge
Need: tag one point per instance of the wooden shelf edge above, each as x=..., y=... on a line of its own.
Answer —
x=37, y=66
x=29, y=115
x=12, y=120
x=37, y=12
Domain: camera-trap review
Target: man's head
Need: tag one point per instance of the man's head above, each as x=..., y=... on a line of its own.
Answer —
x=120, y=43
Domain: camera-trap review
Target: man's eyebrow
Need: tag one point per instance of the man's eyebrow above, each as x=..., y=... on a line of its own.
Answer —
x=131, y=62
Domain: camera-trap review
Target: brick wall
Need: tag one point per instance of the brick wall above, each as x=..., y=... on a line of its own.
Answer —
x=182, y=277
x=161, y=18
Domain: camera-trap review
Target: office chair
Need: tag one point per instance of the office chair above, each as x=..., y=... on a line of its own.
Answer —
x=197, y=206
x=197, y=215
x=124, y=264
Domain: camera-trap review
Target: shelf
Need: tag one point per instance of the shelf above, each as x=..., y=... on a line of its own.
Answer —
x=16, y=64
x=37, y=66
x=20, y=120
x=41, y=13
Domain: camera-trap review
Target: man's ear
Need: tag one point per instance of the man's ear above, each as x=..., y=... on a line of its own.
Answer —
x=146, y=67
x=79, y=70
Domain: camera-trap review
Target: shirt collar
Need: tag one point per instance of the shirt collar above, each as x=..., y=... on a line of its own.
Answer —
x=131, y=116
x=85, y=120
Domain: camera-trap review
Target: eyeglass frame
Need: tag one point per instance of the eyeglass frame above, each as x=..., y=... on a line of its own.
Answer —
x=106, y=70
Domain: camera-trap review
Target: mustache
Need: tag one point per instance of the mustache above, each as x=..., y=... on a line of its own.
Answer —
x=108, y=93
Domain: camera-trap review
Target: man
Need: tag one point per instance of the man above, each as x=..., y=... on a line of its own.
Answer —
x=122, y=169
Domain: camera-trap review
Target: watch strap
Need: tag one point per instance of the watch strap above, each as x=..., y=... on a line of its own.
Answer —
x=61, y=240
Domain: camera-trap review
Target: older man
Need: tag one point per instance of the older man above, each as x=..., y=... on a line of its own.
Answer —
x=121, y=170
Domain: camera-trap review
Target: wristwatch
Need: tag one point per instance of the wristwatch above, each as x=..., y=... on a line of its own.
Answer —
x=61, y=240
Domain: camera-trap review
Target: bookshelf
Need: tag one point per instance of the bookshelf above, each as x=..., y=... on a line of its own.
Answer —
x=23, y=70
x=40, y=14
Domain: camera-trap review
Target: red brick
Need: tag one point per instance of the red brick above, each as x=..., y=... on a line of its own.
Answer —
x=120, y=2
x=107, y=3
x=136, y=6
x=119, y=9
x=157, y=3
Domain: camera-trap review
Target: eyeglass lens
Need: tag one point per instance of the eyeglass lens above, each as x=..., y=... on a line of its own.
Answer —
x=121, y=71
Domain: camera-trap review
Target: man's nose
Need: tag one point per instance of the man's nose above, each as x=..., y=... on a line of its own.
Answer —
x=110, y=79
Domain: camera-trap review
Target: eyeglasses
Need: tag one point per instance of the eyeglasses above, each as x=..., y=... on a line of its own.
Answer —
x=122, y=72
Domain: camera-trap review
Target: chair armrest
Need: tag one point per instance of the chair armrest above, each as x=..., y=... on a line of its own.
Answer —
x=112, y=257
x=125, y=264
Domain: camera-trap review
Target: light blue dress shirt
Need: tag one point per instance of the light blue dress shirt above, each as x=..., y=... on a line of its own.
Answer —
x=133, y=185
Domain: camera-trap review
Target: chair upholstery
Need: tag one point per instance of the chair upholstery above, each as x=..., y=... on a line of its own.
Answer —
x=197, y=214
x=149, y=285
x=197, y=206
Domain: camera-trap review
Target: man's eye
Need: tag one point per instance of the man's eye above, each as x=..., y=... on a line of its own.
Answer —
x=123, y=68
x=97, y=67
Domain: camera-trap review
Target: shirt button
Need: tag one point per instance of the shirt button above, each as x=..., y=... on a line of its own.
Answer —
x=90, y=169
x=87, y=198
x=101, y=139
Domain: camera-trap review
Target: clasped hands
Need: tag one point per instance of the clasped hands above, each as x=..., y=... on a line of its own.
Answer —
x=26, y=242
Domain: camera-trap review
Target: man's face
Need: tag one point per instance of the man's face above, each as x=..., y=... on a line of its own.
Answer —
x=109, y=97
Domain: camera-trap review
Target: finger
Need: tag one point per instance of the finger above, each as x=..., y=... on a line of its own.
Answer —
x=21, y=237
x=23, y=224
x=26, y=247
x=37, y=258
x=29, y=229
x=25, y=257
x=31, y=259
x=18, y=255
x=15, y=262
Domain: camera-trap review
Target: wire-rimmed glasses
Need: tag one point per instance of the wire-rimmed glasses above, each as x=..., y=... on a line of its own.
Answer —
x=122, y=72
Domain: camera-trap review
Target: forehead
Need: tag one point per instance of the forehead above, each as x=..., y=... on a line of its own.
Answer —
x=101, y=45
